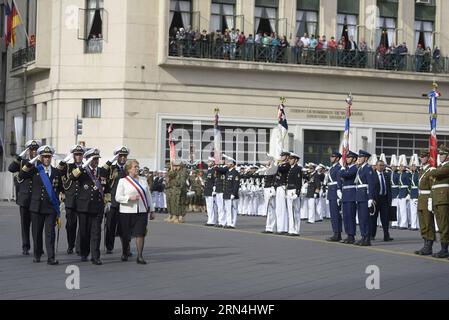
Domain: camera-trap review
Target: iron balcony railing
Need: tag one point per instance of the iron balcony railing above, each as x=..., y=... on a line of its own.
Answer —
x=23, y=56
x=292, y=55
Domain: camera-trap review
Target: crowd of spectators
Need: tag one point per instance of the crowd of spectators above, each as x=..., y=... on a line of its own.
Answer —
x=316, y=50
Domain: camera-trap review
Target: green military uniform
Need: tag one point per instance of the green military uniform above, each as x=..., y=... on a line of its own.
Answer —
x=426, y=217
x=198, y=188
x=176, y=194
x=440, y=202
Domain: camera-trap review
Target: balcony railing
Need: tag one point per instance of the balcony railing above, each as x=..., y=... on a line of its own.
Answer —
x=293, y=55
x=23, y=56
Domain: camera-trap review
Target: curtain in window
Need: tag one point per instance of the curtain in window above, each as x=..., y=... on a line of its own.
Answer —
x=300, y=25
x=257, y=15
x=391, y=29
x=29, y=128
x=428, y=33
x=418, y=28
x=272, y=17
x=184, y=7
x=312, y=20
x=351, y=21
x=228, y=11
x=92, y=108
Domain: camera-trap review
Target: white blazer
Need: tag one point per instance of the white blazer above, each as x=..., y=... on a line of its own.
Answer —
x=125, y=190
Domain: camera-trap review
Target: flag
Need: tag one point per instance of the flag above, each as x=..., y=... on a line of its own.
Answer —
x=171, y=143
x=217, y=137
x=8, y=24
x=347, y=129
x=16, y=21
x=433, y=141
x=282, y=129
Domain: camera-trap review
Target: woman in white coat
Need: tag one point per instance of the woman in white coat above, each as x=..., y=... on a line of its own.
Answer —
x=135, y=201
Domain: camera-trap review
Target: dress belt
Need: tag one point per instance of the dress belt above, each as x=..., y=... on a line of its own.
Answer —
x=439, y=186
x=349, y=187
x=424, y=192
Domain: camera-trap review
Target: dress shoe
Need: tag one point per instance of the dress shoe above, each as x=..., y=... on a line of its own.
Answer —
x=208, y=225
x=97, y=262
x=140, y=260
x=69, y=251
x=335, y=238
x=403, y=228
x=108, y=251
x=349, y=240
x=83, y=259
x=394, y=228
x=388, y=239
x=124, y=257
x=26, y=252
x=37, y=259
x=52, y=262
x=293, y=235
x=231, y=227
x=267, y=232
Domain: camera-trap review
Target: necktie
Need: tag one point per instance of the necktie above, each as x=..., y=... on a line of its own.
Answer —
x=383, y=186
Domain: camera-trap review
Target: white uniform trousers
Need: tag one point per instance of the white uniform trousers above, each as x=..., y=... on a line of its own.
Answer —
x=220, y=209
x=294, y=215
x=153, y=198
x=414, y=221
x=402, y=213
x=261, y=204
x=212, y=217
x=304, y=214
x=327, y=211
x=320, y=208
x=281, y=210
x=231, y=212
x=270, y=210
x=311, y=209
x=394, y=203
x=246, y=204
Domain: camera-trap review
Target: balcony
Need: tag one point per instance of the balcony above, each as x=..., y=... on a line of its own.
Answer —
x=369, y=60
x=23, y=56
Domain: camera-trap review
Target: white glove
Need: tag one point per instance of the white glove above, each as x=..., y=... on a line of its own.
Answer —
x=232, y=197
x=86, y=164
x=370, y=203
x=68, y=158
x=294, y=196
x=113, y=159
x=339, y=194
x=214, y=193
x=429, y=205
x=24, y=152
x=407, y=197
x=34, y=160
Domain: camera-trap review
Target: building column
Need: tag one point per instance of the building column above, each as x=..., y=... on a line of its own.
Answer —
x=287, y=10
x=328, y=18
x=441, y=25
x=368, y=22
x=246, y=8
x=406, y=24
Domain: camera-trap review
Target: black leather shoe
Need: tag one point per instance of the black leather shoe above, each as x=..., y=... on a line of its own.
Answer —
x=108, y=251
x=52, y=262
x=388, y=239
x=97, y=262
x=267, y=232
x=83, y=259
x=124, y=257
x=26, y=252
x=140, y=260
x=37, y=259
x=69, y=251
x=293, y=235
x=335, y=238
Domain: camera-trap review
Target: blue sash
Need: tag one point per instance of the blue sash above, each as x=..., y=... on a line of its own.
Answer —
x=95, y=181
x=54, y=200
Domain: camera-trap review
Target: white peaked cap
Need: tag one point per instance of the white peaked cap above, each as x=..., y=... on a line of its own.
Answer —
x=373, y=160
x=414, y=160
x=383, y=157
x=402, y=160
x=394, y=161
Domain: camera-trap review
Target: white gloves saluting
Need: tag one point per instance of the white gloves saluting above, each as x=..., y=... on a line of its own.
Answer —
x=24, y=152
x=370, y=203
x=114, y=158
x=33, y=161
x=68, y=158
x=86, y=164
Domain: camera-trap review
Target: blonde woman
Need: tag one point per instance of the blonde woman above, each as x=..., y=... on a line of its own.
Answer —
x=135, y=201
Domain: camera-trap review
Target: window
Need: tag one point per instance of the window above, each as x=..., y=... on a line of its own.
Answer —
x=387, y=22
x=265, y=16
x=92, y=108
x=425, y=24
x=307, y=15
x=347, y=19
x=180, y=15
x=400, y=143
x=94, y=26
x=2, y=20
x=318, y=145
x=195, y=141
x=44, y=111
x=222, y=15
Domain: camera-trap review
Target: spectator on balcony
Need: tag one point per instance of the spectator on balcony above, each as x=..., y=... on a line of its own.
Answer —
x=204, y=43
x=323, y=42
x=249, y=48
x=381, y=53
x=258, y=39
x=313, y=42
x=419, y=56
x=363, y=53
x=402, y=52
x=266, y=40
x=275, y=43
x=283, y=49
x=296, y=48
x=436, y=60
x=241, y=40
x=427, y=59
x=234, y=37
x=180, y=40
x=305, y=41
x=332, y=47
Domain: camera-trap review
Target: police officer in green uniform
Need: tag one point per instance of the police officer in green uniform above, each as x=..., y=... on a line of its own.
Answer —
x=71, y=189
x=426, y=217
x=23, y=191
x=440, y=200
x=44, y=203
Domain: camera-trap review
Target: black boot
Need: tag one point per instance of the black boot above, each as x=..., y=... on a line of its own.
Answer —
x=427, y=248
x=443, y=252
x=366, y=242
x=387, y=237
x=335, y=238
x=360, y=242
x=418, y=252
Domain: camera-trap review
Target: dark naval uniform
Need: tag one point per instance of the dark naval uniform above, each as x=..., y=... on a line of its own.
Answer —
x=281, y=205
x=294, y=185
x=208, y=195
x=348, y=187
x=230, y=195
x=43, y=214
x=24, y=188
x=364, y=193
x=333, y=185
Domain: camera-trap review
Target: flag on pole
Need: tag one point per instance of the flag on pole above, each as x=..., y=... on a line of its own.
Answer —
x=282, y=130
x=16, y=21
x=282, y=118
x=171, y=143
x=8, y=23
x=217, y=136
x=347, y=128
x=433, y=141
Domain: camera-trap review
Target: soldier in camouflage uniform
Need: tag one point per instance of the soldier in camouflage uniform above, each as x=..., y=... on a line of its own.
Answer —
x=198, y=188
x=176, y=193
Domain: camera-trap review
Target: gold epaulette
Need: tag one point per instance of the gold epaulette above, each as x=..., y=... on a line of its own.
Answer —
x=107, y=165
x=26, y=169
x=76, y=173
x=107, y=197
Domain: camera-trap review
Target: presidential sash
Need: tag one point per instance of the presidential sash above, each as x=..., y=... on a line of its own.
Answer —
x=140, y=190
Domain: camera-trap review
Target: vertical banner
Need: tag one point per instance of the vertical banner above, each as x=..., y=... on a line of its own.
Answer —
x=347, y=129
x=433, y=141
x=217, y=136
x=171, y=143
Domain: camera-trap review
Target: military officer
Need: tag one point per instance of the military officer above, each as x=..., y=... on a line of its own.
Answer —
x=403, y=196
x=440, y=200
x=220, y=174
x=176, y=192
x=394, y=176
x=348, y=174
x=71, y=189
x=313, y=192
x=414, y=192
x=364, y=196
x=281, y=185
x=231, y=194
x=44, y=203
x=24, y=188
x=333, y=183
x=90, y=203
x=321, y=201
x=270, y=197
x=294, y=184
x=426, y=217
x=115, y=172
x=209, y=194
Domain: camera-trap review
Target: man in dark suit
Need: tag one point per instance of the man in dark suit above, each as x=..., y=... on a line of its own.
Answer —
x=383, y=199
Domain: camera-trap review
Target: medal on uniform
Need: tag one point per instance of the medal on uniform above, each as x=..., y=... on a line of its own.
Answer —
x=86, y=187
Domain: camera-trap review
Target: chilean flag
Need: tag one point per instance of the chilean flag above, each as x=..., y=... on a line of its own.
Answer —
x=171, y=143
x=433, y=141
x=347, y=128
x=217, y=137
x=282, y=119
x=8, y=24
